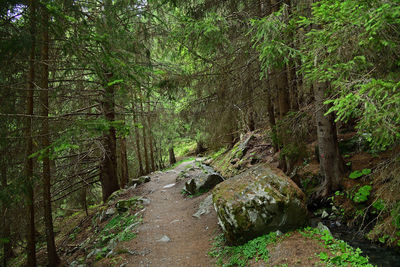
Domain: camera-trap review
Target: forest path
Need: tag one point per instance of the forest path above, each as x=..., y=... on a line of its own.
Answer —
x=170, y=214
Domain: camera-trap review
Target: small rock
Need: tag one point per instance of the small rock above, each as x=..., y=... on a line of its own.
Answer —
x=323, y=228
x=94, y=252
x=204, y=207
x=110, y=212
x=332, y=216
x=130, y=227
x=144, y=201
x=112, y=244
x=278, y=233
x=164, y=239
x=324, y=214
x=168, y=186
x=110, y=254
x=174, y=221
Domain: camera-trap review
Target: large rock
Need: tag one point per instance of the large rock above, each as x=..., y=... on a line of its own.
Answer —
x=203, y=181
x=258, y=201
x=139, y=181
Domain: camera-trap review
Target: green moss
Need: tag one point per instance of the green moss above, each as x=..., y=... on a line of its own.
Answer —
x=240, y=255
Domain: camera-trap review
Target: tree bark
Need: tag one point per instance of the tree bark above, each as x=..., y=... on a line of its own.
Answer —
x=283, y=92
x=137, y=138
x=31, y=243
x=108, y=167
x=151, y=146
x=44, y=112
x=124, y=162
x=144, y=134
x=292, y=85
x=172, y=159
x=331, y=162
x=271, y=117
x=5, y=224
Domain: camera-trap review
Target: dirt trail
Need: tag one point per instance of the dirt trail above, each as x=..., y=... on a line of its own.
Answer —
x=170, y=214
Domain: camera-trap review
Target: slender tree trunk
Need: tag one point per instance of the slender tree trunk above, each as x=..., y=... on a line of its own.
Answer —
x=162, y=166
x=5, y=222
x=283, y=92
x=292, y=86
x=31, y=243
x=331, y=162
x=144, y=134
x=284, y=105
x=271, y=118
x=124, y=162
x=137, y=138
x=108, y=167
x=44, y=112
x=151, y=146
x=172, y=159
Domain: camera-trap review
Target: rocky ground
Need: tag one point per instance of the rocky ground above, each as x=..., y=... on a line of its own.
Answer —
x=170, y=235
x=171, y=228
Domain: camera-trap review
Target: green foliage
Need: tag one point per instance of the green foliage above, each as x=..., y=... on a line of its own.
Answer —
x=342, y=254
x=218, y=153
x=115, y=229
x=396, y=215
x=379, y=204
x=240, y=255
x=184, y=146
x=358, y=174
x=271, y=37
x=354, y=46
x=362, y=194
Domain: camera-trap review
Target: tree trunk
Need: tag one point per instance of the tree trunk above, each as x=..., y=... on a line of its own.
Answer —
x=331, y=162
x=283, y=92
x=151, y=146
x=172, y=159
x=283, y=100
x=124, y=162
x=162, y=166
x=292, y=86
x=31, y=243
x=271, y=119
x=144, y=134
x=44, y=112
x=137, y=138
x=8, y=252
x=108, y=167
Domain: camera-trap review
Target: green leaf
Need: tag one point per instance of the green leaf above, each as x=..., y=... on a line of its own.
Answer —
x=355, y=175
x=366, y=171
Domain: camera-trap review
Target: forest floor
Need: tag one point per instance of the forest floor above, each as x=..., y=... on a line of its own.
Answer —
x=170, y=215
x=170, y=235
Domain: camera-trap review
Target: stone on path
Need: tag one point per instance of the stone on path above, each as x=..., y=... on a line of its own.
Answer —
x=169, y=186
x=204, y=207
x=164, y=239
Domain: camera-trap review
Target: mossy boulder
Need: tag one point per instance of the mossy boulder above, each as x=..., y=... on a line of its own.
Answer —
x=204, y=179
x=124, y=205
x=139, y=181
x=258, y=201
x=230, y=163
